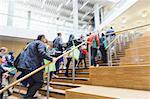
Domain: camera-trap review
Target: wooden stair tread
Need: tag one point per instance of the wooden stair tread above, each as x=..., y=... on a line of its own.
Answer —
x=77, y=73
x=24, y=90
x=76, y=69
x=63, y=84
x=119, y=93
x=16, y=96
x=70, y=78
x=55, y=91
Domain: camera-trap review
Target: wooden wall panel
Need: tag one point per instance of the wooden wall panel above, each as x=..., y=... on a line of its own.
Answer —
x=13, y=45
x=135, y=60
x=137, y=51
x=139, y=44
x=137, y=77
x=143, y=39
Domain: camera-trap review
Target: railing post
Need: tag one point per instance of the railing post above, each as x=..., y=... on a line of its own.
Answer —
x=73, y=69
x=119, y=44
x=89, y=49
x=115, y=49
x=48, y=84
x=124, y=40
x=109, y=54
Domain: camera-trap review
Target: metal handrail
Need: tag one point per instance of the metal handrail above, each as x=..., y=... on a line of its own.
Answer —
x=39, y=69
x=111, y=42
x=118, y=32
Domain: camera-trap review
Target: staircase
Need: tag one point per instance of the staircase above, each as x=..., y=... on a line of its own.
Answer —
x=62, y=83
x=100, y=77
x=129, y=80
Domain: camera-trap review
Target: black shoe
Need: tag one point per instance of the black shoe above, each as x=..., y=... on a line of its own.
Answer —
x=27, y=97
x=66, y=75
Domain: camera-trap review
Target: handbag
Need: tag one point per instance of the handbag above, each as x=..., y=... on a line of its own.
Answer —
x=75, y=53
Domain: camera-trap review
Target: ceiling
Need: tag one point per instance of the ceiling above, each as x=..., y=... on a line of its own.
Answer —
x=62, y=9
x=137, y=15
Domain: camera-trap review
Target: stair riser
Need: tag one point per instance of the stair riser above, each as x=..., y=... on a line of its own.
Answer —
x=82, y=70
x=61, y=87
x=76, y=75
x=70, y=81
x=54, y=95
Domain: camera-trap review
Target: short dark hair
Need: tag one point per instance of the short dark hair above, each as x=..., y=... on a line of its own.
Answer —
x=58, y=34
x=40, y=36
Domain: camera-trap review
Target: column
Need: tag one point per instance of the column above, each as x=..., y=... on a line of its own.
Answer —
x=102, y=14
x=75, y=31
x=29, y=19
x=96, y=17
x=75, y=16
x=10, y=12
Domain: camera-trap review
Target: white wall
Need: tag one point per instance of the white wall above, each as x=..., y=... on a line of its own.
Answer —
x=29, y=34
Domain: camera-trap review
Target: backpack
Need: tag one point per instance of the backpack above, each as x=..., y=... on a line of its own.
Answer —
x=20, y=57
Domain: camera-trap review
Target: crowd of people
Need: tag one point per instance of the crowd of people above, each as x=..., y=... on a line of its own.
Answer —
x=6, y=64
x=40, y=52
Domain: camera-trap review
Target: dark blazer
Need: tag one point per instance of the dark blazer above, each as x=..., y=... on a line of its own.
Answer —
x=1, y=70
x=32, y=57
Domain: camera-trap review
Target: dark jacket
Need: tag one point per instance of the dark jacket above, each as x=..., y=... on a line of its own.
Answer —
x=57, y=43
x=1, y=70
x=32, y=57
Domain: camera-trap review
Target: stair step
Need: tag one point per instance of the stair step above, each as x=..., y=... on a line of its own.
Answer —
x=55, y=93
x=77, y=70
x=134, y=77
x=113, y=64
x=99, y=92
x=17, y=96
x=61, y=85
x=64, y=84
x=78, y=80
x=78, y=74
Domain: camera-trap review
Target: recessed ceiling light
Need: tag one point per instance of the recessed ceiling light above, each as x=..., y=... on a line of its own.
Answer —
x=144, y=13
x=124, y=21
x=148, y=29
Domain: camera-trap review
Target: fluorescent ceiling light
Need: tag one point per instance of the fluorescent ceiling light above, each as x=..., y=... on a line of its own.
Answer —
x=84, y=4
x=71, y=13
x=83, y=26
x=67, y=2
x=114, y=1
x=85, y=15
x=24, y=1
x=63, y=21
x=43, y=3
x=59, y=7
